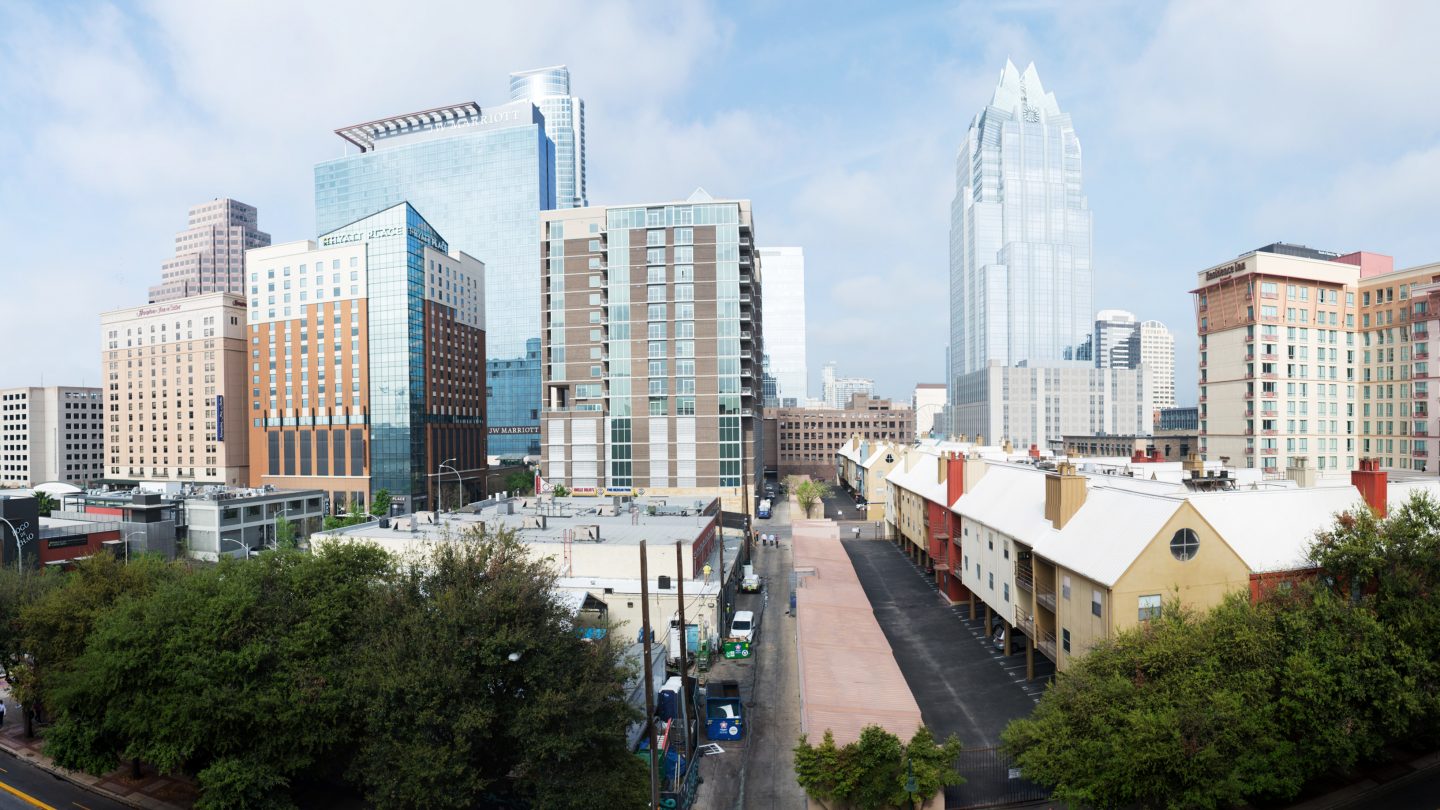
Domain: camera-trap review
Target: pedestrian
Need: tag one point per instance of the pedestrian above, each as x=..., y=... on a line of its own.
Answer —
x=2, y=712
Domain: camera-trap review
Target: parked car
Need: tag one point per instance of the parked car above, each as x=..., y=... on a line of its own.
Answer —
x=743, y=625
x=750, y=583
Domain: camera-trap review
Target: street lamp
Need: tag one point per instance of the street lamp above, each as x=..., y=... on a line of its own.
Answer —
x=440, y=485
x=225, y=540
x=19, y=545
x=129, y=535
x=911, y=785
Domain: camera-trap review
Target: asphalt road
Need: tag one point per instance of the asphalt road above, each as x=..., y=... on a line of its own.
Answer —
x=964, y=686
x=38, y=788
x=758, y=770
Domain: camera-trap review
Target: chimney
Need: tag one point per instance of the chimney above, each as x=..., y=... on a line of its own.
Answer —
x=1302, y=473
x=1155, y=456
x=1007, y=447
x=1139, y=458
x=1034, y=451
x=979, y=440
x=1373, y=486
x=1193, y=466
x=1064, y=494
x=954, y=478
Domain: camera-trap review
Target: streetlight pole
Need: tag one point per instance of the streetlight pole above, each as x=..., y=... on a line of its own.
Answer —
x=129, y=535
x=19, y=545
x=440, y=484
x=239, y=543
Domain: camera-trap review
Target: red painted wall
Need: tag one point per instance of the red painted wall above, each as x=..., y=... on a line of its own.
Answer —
x=92, y=545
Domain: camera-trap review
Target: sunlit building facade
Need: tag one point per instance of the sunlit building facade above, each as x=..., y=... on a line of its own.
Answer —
x=785, y=362
x=549, y=89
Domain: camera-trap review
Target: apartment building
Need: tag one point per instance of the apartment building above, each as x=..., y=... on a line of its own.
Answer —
x=175, y=390
x=367, y=352
x=1396, y=400
x=808, y=438
x=652, y=348
x=1280, y=358
x=50, y=434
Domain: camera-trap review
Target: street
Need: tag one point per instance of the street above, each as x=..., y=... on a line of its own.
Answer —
x=24, y=786
x=758, y=770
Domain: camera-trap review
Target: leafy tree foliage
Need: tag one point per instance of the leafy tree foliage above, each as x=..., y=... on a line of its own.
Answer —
x=262, y=677
x=285, y=533
x=45, y=503
x=520, y=481
x=871, y=772
x=560, y=491
x=380, y=504
x=808, y=491
x=1249, y=701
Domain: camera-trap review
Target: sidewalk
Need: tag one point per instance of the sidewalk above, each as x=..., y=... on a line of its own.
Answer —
x=152, y=790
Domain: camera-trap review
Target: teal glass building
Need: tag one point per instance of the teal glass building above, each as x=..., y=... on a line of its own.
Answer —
x=482, y=177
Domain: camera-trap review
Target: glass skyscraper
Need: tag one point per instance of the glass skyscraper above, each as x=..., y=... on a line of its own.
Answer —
x=482, y=177
x=1020, y=233
x=785, y=327
x=549, y=89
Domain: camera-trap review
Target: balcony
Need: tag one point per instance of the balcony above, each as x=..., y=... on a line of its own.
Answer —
x=1421, y=394
x=1045, y=597
x=1267, y=394
x=1269, y=451
x=1045, y=643
x=745, y=298
x=1249, y=431
x=1249, y=357
x=1267, y=433
x=1249, y=394
x=1420, y=452
x=1269, y=357
x=1422, y=355
x=746, y=335
x=1249, y=451
x=1025, y=622
x=1024, y=578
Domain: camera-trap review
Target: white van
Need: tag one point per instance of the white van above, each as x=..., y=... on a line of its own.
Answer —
x=743, y=625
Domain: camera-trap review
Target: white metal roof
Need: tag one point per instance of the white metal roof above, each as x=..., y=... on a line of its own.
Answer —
x=1107, y=533
x=1270, y=529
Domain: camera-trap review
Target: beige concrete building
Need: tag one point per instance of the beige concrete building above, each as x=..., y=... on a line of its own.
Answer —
x=51, y=434
x=210, y=252
x=175, y=391
x=652, y=349
x=1396, y=399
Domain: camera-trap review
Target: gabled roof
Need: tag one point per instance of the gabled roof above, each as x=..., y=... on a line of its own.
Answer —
x=1271, y=529
x=1108, y=533
x=1008, y=499
x=922, y=478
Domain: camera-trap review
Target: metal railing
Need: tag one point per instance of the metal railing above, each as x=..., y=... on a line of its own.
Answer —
x=1046, y=598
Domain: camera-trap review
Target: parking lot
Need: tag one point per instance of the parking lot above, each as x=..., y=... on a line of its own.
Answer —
x=963, y=684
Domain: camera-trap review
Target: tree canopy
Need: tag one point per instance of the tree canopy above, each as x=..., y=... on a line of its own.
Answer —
x=871, y=773
x=345, y=667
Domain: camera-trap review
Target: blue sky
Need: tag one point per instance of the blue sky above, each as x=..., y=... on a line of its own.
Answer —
x=1208, y=128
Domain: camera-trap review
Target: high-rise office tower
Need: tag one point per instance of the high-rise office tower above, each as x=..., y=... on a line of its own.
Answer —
x=481, y=177
x=838, y=390
x=785, y=325
x=1114, y=343
x=367, y=349
x=549, y=89
x=1020, y=231
x=210, y=252
x=51, y=434
x=1157, y=355
x=652, y=348
x=175, y=377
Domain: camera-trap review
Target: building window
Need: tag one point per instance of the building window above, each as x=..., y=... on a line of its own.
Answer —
x=1065, y=639
x=992, y=580
x=1184, y=545
x=1007, y=591
x=1149, y=607
x=1095, y=602
x=1065, y=586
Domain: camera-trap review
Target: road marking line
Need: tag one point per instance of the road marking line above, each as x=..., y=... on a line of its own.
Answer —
x=79, y=805
x=25, y=797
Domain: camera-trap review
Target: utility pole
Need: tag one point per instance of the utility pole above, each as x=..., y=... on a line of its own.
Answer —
x=649, y=683
x=720, y=535
x=684, y=640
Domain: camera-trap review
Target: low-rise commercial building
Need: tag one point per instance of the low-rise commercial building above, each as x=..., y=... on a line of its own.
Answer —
x=860, y=470
x=1146, y=448
x=809, y=438
x=594, y=547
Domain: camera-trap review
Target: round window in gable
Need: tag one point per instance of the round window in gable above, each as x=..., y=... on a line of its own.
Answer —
x=1185, y=545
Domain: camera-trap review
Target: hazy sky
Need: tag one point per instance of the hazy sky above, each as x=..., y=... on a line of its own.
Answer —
x=1208, y=128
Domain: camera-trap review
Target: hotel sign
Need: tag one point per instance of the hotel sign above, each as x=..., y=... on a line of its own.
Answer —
x=1227, y=270
x=360, y=236
x=514, y=430
x=145, y=312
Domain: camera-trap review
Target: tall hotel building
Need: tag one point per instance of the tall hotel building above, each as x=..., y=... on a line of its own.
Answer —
x=174, y=376
x=652, y=348
x=1281, y=358
x=210, y=252
x=51, y=434
x=481, y=177
x=365, y=363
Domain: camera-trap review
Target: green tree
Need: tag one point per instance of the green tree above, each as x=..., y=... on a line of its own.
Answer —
x=356, y=515
x=808, y=492
x=239, y=673
x=520, y=482
x=871, y=772
x=284, y=533
x=380, y=503
x=479, y=686
x=45, y=503
x=560, y=491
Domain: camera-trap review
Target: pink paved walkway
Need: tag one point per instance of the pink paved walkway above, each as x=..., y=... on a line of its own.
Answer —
x=848, y=675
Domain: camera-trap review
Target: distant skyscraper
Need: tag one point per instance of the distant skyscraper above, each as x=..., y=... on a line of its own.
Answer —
x=838, y=390
x=210, y=252
x=549, y=89
x=1116, y=338
x=1157, y=353
x=481, y=178
x=785, y=325
x=1020, y=231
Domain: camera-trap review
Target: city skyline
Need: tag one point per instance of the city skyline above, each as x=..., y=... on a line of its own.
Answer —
x=1155, y=101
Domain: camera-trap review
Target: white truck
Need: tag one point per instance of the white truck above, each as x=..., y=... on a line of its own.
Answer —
x=750, y=582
